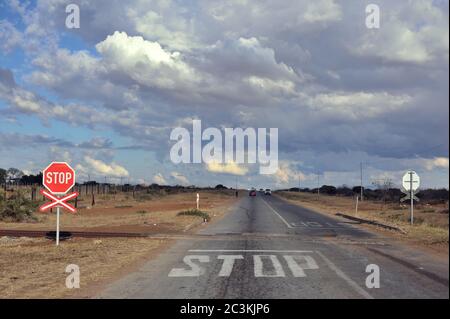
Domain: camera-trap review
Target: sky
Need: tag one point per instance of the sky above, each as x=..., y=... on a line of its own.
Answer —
x=105, y=96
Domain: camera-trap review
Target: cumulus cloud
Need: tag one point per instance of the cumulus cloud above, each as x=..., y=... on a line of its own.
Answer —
x=159, y=179
x=102, y=168
x=180, y=178
x=144, y=61
x=287, y=174
x=226, y=168
x=438, y=162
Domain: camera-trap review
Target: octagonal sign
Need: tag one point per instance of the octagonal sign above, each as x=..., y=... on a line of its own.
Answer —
x=58, y=177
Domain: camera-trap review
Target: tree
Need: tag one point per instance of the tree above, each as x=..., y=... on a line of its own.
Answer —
x=3, y=174
x=384, y=185
x=13, y=174
x=31, y=179
x=220, y=186
x=327, y=189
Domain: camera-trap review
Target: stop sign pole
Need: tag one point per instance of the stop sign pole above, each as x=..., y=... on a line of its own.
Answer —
x=58, y=178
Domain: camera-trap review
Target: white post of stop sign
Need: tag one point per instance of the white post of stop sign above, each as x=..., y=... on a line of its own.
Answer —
x=411, y=183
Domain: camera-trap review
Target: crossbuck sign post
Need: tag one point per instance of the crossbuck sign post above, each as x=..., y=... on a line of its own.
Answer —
x=411, y=184
x=58, y=178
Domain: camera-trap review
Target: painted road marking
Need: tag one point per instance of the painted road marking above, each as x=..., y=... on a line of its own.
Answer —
x=194, y=271
x=308, y=224
x=265, y=265
x=228, y=263
x=341, y=274
x=317, y=225
x=276, y=213
x=297, y=264
x=275, y=271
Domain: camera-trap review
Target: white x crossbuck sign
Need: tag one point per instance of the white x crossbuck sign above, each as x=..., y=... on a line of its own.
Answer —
x=58, y=201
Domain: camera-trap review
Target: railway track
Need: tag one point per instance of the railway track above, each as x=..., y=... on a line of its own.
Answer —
x=51, y=234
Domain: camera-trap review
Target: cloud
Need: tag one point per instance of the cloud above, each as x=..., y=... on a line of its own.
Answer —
x=180, y=178
x=159, y=179
x=226, y=168
x=437, y=162
x=101, y=168
x=416, y=33
x=144, y=61
x=139, y=68
x=287, y=174
x=10, y=37
x=96, y=143
x=322, y=11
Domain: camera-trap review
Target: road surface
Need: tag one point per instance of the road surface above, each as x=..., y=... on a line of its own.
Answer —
x=266, y=247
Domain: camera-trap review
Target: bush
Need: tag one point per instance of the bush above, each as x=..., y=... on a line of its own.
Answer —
x=194, y=212
x=17, y=208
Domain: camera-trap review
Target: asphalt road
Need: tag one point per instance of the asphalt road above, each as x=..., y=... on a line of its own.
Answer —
x=268, y=248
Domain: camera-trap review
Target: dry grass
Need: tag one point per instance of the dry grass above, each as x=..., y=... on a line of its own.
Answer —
x=431, y=222
x=133, y=215
x=35, y=268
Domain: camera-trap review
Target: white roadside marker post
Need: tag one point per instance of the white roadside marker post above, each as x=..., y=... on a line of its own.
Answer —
x=198, y=201
x=356, y=208
x=57, y=226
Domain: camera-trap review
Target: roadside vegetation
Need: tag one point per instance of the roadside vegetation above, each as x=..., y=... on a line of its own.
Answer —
x=17, y=208
x=195, y=212
x=431, y=217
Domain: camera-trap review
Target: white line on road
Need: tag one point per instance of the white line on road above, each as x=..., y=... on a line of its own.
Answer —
x=347, y=279
x=284, y=220
x=248, y=250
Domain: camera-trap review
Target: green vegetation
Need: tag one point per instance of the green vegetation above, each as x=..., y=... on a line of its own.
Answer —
x=195, y=212
x=17, y=208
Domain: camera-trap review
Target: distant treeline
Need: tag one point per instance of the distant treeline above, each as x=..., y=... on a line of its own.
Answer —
x=389, y=195
x=14, y=176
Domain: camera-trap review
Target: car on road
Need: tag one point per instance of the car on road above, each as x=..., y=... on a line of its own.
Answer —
x=252, y=192
x=267, y=191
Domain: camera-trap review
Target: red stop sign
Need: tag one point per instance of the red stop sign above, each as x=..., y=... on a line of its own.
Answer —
x=58, y=177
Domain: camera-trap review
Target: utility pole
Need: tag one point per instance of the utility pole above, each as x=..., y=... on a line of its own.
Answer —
x=411, y=194
x=361, y=186
x=299, y=182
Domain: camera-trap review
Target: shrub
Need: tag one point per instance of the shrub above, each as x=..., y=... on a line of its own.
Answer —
x=195, y=212
x=17, y=208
